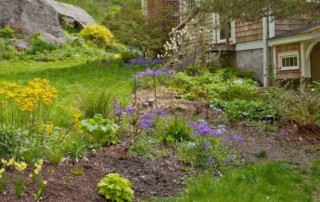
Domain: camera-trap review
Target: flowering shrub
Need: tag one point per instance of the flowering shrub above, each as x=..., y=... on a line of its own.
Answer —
x=116, y=188
x=98, y=34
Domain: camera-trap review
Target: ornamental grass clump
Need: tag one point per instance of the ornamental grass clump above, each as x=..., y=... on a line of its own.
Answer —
x=116, y=188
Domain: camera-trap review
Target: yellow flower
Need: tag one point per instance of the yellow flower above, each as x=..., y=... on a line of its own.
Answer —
x=45, y=182
x=38, y=166
x=10, y=162
x=2, y=171
x=4, y=162
x=20, y=166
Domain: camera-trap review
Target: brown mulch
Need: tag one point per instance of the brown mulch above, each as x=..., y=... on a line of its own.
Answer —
x=158, y=177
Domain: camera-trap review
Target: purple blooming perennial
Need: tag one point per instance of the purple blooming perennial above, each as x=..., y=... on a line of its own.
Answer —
x=236, y=138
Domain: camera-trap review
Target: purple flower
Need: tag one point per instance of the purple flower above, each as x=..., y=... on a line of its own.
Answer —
x=206, y=145
x=216, y=132
x=143, y=61
x=146, y=124
x=193, y=124
x=284, y=134
x=117, y=108
x=204, y=129
x=210, y=161
x=236, y=138
x=159, y=112
x=229, y=159
x=191, y=144
x=157, y=61
x=128, y=110
x=147, y=116
x=151, y=72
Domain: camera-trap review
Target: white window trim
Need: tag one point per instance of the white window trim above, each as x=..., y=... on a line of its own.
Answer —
x=232, y=31
x=286, y=54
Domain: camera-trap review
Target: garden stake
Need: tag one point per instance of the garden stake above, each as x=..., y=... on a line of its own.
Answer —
x=155, y=91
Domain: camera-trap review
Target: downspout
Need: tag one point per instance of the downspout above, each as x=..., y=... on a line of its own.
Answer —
x=265, y=52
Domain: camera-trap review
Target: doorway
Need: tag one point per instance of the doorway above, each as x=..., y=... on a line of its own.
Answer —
x=315, y=63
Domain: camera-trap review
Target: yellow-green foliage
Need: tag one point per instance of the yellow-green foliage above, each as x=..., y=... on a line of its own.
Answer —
x=98, y=34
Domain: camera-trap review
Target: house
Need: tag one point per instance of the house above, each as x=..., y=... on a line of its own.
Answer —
x=287, y=49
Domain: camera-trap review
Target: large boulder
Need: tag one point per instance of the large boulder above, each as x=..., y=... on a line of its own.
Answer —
x=41, y=16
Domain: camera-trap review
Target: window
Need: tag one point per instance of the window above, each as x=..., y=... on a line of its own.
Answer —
x=221, y=31
x=289, y=60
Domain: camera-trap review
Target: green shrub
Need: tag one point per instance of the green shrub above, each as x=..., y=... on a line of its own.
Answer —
x=7, y=51
x=244, y=110
x=7, y=33
x=206, y=152
x=98, y=34
x=116, y=188
x=177, y=131
x=96, y=103
x=38, y=45
x=207, y=86
x=144, y=146
x=100, y=130
x=301, y=107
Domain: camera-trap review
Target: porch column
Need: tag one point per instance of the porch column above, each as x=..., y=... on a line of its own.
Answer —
x=305, y=65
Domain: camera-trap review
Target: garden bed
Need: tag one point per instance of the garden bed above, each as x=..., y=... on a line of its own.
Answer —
x=67, y=181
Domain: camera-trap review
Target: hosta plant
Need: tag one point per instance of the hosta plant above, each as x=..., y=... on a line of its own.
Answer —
x=116, y=188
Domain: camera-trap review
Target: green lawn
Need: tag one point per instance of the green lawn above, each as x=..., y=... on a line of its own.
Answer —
x=71, y=78
x=257, y=183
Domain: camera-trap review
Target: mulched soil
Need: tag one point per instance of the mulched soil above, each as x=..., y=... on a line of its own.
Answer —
x=159, y=177
x=163, y=177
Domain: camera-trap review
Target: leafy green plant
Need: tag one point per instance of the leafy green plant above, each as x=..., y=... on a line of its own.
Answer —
x=96, y=103
x=244, y=110
x=19, y=186
x=207, y=152
x=262, y=154
x=303, y=108
x=7, y=33
x=98, y=34
x=116, y=188
x=38, y=45
x=78, y=171
x=177, y=130
x=100, y=130
x=223, y=84
x=75, y=147
x=144, y=146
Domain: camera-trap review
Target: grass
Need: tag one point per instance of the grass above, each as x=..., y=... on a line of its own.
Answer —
x=262, y=182
x=71, y=78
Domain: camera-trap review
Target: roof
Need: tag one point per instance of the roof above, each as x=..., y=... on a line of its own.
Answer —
x=303, y=30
